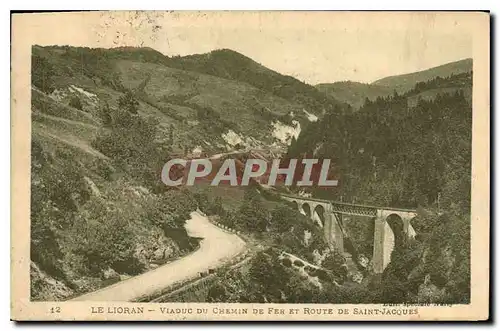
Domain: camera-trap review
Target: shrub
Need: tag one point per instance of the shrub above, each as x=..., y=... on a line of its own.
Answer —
x=105, y=114
x=104, y=238
x=216, y=293
x=129, y=103
x=75, y=102
x=324, y=276
x=286, y=262
x=298, y=263
x=333, y=261
x=282, y=218
x=42, y=74
x=215, y=207
x=45, y=249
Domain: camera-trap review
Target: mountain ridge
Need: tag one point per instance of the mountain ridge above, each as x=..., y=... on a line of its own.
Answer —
x=356, y=93
x=408, y=80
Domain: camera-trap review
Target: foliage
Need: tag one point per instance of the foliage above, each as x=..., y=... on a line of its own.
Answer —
x=94, y=63
x=389, y=154
x=281, y=218
x=334, y=262
x=89, y=213
x=132, y=146
x=210, y=119
x=217, y=293
x=453, y=80
x=75, y=102
x=42, y=74
x=45, y=249
x=172, y=209
x=253, y=214
x=77, y=234
x=265, y=282
x=216, y=208
x=442, y=254
x=128, y=102
x=105, y=114
x=269, y=281
x=105, y=238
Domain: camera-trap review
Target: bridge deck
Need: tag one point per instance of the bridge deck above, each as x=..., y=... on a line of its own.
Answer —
x=347, y=204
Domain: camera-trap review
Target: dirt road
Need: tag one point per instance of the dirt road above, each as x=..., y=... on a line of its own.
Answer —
x=216, y=247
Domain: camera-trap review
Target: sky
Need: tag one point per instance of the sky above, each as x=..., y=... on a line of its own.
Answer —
x=315, y=47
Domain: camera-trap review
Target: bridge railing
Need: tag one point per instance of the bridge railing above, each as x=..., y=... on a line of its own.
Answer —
x=346, y=204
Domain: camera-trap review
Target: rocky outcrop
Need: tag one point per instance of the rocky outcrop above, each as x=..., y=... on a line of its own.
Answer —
x=156, y=249
x=89, y=100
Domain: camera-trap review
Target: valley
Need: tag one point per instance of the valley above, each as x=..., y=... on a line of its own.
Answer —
x=104, y=226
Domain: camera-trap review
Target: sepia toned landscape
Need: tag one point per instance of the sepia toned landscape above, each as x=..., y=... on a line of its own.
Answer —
x=104, y=120
x=396, y=230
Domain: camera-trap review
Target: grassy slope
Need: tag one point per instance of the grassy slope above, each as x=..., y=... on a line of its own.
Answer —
x=229, y=64
x=65, y=144
x=246, y=109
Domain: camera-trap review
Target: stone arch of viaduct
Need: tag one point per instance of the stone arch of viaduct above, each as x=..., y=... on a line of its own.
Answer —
x=391, y=224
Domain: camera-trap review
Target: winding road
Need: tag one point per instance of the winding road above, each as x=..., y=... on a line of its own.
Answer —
x=216, y=247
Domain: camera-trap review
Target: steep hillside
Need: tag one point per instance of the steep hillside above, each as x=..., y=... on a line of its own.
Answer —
x=95, y=217
x=407, y=150
x=403, y=83
x=207, y=107
x=229, y=64
x=103, y=124
x=354, y=93
x=202, y=109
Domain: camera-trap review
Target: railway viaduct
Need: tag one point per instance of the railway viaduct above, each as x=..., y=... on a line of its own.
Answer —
x=390, y=224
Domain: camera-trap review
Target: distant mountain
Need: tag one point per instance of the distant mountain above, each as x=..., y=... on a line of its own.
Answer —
x=354, y=93
x=442, y=79
x=403, y=83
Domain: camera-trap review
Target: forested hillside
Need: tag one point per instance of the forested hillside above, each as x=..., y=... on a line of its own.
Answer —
x=200, y=111
x=397, y=150
x=408, y=150
x=441, y=79
x=405, y=82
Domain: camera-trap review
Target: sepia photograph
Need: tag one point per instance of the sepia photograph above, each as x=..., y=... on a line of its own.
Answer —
x=241, y=166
